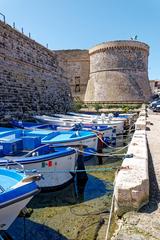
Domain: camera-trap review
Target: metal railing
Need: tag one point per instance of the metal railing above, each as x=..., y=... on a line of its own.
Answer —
x=3, y=16
x=15, y=162
x=2, y=189
x=3, y=19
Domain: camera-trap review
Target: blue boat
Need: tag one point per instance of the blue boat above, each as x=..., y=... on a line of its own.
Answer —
x=16, y=190
x=31, y=125
x=35, y=149
x=59, y=138
x=108, y=133
x=27, y=147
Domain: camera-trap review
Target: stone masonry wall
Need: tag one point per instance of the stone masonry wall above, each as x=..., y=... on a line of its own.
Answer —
x=119, y=72
x=31, y=80
x=76, y=66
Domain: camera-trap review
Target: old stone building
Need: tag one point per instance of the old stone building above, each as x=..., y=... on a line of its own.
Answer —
x=118, y=72
x=155, y=86
x=76, y=66
x=31, y=79
x=34, y=79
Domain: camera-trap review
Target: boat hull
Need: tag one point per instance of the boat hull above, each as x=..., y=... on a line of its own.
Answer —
x=90, y=142
x=9, y=213
x=56, y=172
x=119, y=125
x=16, y=190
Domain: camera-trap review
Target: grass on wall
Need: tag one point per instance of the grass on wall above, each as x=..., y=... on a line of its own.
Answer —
x=77, y=106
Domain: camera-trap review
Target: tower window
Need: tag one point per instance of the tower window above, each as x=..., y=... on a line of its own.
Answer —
x=77, y=84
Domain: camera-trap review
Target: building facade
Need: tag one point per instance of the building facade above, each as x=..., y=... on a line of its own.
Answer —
x=118, y=72
x=35, y=79
x=155, y=86
x=76, y=66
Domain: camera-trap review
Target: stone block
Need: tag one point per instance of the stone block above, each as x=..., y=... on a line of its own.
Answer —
x=132, y=182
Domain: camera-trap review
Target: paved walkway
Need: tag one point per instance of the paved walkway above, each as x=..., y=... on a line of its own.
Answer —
x=145, y=224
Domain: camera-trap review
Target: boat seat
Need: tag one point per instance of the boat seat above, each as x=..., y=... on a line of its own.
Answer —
x=31, y=142
x=10, y=147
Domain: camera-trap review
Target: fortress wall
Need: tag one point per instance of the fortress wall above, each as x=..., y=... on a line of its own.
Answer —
x=76, y=66
x=31, y=79
x=119, y=72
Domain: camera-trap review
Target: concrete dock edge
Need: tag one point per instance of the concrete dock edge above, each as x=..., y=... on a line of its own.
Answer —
x=132, y=181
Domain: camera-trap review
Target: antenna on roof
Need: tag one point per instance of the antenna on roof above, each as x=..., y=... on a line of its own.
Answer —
x=134, y=38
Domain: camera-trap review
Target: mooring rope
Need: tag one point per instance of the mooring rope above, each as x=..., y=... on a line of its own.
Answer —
x=113, y=201
x=126, y=135
x=87, y=170
x=110, y=218
x=98, y=133
x=112, y=205
x=105, y=142
x=81, y=171
x=104, y=154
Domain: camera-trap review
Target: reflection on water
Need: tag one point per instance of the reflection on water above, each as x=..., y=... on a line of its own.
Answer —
x=93, y=188
x=73, y=212
x=75, y=193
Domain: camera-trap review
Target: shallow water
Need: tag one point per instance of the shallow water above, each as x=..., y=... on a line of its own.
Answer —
x=80, y=211
x=76, y=212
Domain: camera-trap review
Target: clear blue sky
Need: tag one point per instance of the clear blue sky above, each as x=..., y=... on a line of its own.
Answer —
x=69, y=24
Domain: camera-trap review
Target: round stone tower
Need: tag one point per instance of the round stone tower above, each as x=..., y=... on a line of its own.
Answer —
x=118, y=72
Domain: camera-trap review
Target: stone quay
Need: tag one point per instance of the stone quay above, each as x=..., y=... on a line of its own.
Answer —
x=137, y=194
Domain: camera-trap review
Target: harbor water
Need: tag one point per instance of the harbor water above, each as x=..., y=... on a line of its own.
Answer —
x=79, y=211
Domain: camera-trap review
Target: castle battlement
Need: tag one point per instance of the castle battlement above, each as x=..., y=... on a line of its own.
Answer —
x=120, y=44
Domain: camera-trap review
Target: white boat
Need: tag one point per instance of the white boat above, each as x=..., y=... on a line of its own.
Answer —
x=57, y=165
x=40, y=149
x=106, y=132
x=97, y=121
x=69, y=122
x=65, y=138
x=16, y=190
x=128, y=118
x=54, y=121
